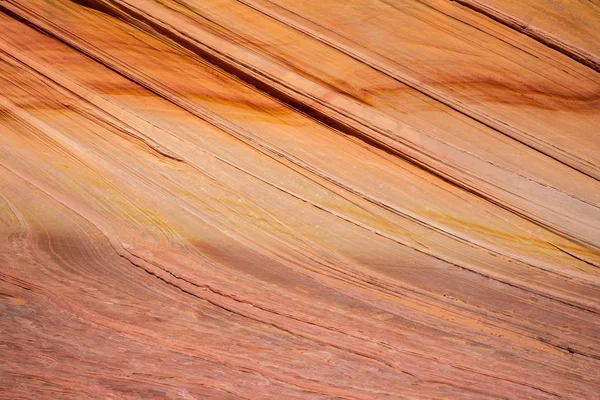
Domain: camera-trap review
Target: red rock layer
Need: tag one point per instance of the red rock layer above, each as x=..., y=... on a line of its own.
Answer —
x=282, y=199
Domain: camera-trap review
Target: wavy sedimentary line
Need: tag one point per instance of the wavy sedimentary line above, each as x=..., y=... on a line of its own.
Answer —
x=345, y=261
x=409, y=76
x=418, y=157
x=213, y=297
x=180, y=101
x=546, y=38
x=131, y=117
x=229, y=307
x=298, y=310
x=327, y=328
x=588, y=215
x=216, y=357
x=148, y=333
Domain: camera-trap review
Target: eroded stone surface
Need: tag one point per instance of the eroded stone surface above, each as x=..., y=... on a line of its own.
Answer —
x=255, y=199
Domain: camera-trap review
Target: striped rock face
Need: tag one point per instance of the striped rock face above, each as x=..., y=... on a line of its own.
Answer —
x=284, y=199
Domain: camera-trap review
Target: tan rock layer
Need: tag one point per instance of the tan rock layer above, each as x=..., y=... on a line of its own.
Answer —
x=567, y=26
x=255, y=199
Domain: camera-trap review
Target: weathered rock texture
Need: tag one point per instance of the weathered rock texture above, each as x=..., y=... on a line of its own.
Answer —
x=287, y=199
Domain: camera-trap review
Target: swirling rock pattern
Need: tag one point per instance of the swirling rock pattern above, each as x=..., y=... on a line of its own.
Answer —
x=282, y=199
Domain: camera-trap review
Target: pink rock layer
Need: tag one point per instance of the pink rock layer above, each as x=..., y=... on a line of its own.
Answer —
x=298, y=200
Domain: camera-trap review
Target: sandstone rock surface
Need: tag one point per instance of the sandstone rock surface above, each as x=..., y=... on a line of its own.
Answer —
x=283, y=199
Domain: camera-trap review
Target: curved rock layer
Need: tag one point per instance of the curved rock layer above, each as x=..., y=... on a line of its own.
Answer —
x=288, y=199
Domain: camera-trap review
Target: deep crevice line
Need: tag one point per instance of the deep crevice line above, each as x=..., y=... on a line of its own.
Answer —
x=539, y=35
x=428, y=92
